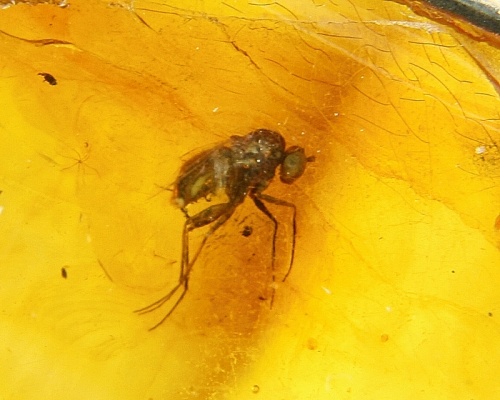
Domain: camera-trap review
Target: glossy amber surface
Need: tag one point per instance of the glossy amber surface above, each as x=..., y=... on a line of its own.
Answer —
x=394, y=290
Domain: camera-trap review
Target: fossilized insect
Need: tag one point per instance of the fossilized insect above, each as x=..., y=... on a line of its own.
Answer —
x=48, y=78
x=244, y=166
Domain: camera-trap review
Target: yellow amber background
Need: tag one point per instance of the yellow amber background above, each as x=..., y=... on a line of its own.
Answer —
x=394, y=290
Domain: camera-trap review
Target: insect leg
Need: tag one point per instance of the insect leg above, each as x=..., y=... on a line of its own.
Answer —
x=217, y=214
x=160, y=302
x=279, y=202
x=183, y=279
x=262, y=207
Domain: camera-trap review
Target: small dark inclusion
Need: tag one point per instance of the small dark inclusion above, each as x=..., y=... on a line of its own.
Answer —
x=48, y=78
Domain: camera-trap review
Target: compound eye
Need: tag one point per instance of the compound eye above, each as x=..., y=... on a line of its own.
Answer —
x=293, y=165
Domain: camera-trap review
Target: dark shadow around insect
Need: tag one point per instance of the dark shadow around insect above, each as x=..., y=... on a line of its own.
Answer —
x=244, y=166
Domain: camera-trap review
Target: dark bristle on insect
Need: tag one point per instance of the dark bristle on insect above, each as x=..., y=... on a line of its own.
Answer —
x=244, y=166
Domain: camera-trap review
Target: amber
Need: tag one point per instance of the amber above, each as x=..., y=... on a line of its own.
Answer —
x=394, y=288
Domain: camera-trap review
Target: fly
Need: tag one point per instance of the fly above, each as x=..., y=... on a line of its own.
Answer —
x=244, y=166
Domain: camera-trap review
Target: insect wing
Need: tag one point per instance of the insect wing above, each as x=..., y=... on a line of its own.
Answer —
x=203, y=175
